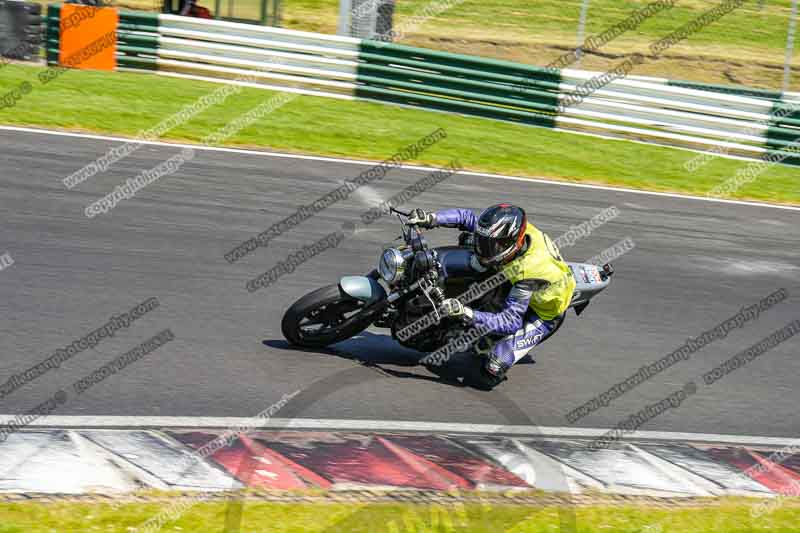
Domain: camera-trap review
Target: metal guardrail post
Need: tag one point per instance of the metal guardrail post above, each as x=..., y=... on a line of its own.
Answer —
x=345, y=8
x=581, y=31
x=787, y=63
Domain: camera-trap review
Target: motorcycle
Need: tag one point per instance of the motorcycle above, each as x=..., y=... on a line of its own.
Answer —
x=408, y=287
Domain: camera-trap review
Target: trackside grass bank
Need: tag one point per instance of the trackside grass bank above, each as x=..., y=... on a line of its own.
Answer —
x=727, y=516
x=126, y=104
x=746, y=46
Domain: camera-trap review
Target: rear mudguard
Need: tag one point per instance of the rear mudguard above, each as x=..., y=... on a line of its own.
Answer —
x=362, y=288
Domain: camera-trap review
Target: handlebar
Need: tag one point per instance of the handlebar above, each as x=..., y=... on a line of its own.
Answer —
x=415, y=240
x=429, y=282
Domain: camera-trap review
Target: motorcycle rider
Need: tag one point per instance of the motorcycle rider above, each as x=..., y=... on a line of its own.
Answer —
x=542, y=283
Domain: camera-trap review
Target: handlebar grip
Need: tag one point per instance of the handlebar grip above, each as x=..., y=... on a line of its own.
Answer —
x=437, y=295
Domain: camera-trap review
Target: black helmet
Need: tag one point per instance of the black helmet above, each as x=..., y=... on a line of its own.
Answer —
x=500, y=234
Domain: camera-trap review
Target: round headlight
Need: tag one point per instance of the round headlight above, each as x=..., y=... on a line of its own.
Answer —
x=392, y=265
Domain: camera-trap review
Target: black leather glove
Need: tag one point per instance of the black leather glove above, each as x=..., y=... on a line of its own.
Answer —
x=423, y=219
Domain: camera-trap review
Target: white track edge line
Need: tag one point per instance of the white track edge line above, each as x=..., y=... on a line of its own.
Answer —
x=408, y=167
x=191, y=422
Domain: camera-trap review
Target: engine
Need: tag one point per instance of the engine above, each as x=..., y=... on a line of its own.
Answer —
x=435, y=336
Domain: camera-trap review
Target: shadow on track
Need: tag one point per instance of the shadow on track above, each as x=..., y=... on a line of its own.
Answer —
x=380, y=352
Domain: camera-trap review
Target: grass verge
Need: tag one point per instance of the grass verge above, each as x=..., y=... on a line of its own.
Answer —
x=127, y=103
x=727, y=516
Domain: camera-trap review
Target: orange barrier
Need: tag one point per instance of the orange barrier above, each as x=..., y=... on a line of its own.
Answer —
x=88, y=37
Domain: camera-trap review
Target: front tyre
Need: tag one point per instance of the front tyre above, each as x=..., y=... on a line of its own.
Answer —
x=315, y=320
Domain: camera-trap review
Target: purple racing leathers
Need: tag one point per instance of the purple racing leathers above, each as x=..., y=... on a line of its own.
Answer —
x=523, y=330
x=510, y=349
x=463, y=219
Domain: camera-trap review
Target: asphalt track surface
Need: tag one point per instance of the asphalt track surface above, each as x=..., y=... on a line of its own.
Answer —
x=695, y=264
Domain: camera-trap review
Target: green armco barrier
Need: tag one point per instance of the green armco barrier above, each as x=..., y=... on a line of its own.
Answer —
x=130, y=26
x=455, y=94
x=52, y=55
x=52, y=33
x=148, y=41
x=132, y=46
x=788, y=158
x=740, y=90
x=785, y=134
x=149, y=63
x=792, y=122
x=477, y=65
x=128, y=42
x=772, y=142
x=426, y=83
x=780, y=143
x=516, y=82
x=457, y=83
x=778, y=137
x=135, y=50
x=139, y=18
x=787, y=110
x=456, y=106
x=137, y=62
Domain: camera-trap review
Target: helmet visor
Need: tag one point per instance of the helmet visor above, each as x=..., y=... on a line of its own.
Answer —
x=492, y=249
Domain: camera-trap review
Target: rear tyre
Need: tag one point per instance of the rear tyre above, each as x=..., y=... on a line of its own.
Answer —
x=314, y=321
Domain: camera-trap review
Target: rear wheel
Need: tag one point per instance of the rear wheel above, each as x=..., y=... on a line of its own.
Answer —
x=316, y=319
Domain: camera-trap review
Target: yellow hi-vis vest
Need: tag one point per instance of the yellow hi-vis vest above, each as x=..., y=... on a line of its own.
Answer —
x=543, y=261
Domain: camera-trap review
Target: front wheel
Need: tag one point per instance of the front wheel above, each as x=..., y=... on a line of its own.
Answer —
x=315, y=320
